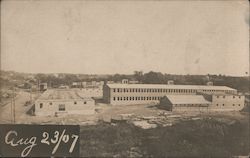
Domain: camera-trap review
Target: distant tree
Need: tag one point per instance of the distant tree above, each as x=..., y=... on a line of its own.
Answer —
x=138, y=75
x=153, y=78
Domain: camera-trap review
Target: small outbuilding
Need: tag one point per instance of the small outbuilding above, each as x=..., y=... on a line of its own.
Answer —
x=184, y=103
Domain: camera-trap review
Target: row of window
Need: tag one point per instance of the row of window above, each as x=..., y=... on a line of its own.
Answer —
x=224, y=104
x=135, y=98
x=143, y=90
x=225, y=96
x=41, y=104
x=61, y=107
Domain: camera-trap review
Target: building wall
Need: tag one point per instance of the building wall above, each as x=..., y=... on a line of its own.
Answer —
x=227, y=102
x=181, y=108
x=123, y=96
x=51, y=107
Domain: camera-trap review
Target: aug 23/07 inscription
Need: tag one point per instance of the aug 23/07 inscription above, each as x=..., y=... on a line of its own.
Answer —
x=39, y=140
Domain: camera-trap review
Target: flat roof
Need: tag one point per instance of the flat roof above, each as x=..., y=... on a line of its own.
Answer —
x=187, y=99
x=63, y=94
x=165, y=86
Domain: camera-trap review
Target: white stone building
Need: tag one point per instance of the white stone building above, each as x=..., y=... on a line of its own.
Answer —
x=63, y=101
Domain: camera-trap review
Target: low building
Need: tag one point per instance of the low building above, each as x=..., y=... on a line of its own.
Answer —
x=63, y=101
x=185, y=103
x=205, y=102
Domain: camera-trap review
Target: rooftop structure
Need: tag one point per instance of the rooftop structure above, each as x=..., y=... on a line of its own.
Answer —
x=61, y=94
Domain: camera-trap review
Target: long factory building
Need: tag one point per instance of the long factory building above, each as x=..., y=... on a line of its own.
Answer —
x=215, y=97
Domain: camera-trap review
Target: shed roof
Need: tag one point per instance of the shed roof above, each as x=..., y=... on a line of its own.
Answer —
x=197, y=87
x=187, y=99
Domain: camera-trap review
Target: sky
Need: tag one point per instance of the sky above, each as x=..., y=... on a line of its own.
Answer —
x=107, y=37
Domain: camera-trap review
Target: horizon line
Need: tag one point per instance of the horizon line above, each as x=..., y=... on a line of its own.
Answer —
x=47, y=73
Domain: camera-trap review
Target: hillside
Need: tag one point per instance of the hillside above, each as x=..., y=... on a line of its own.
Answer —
x=209, y=137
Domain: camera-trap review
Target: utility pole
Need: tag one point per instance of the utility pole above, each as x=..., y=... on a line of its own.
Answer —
x=14, y=106
x=31, y=95
x=11, y=109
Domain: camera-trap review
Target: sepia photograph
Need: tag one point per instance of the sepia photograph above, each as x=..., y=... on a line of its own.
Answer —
x=126, y=78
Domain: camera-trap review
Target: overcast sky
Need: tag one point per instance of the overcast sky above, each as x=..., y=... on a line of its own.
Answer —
x=105, y=37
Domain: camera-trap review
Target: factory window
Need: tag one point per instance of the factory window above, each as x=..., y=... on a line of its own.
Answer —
x=218, y=96
x=217, y=104
x=233, y=96
x=233, y=105
x=124, y=98
x=224, y=96
x=239, y=96
x=113, y=90
x=149, y=98
x=84, y=102
x=41, y=105
x=139, y=98
x=61, y=107
x=75, y=102
x=118, y=90
x=223, y=104
x=50, y=103
x=121, y=98
x=118, y=98
x=133, y=90
x=114, y=98
x=133, y=98
x=127, y=98
x=139, y=90
x=239, y=104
